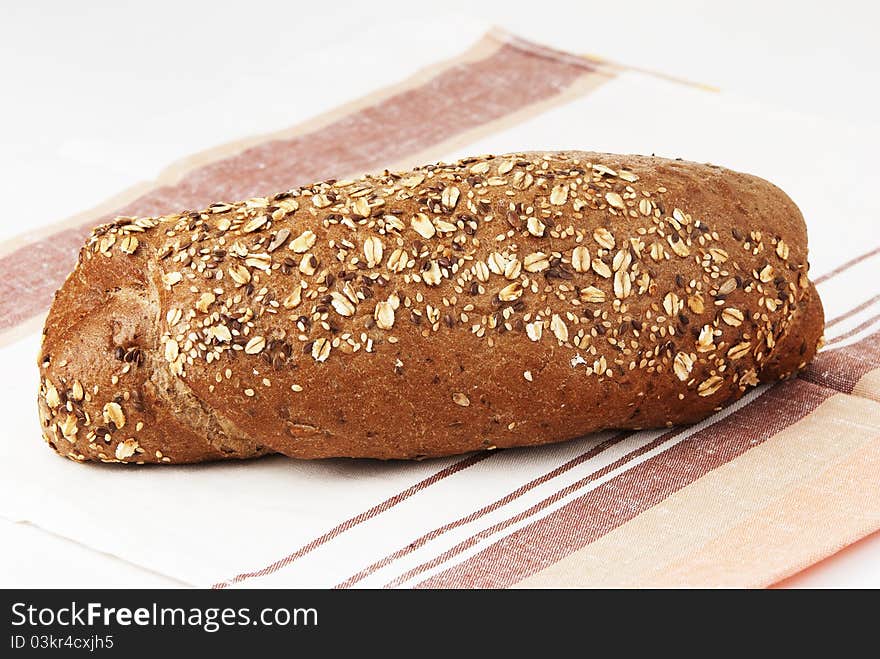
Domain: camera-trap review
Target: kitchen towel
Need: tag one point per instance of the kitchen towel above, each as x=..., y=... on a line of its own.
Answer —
x=764, y=488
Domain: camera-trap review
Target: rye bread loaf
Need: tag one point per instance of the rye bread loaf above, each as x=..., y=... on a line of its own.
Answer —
x=495, y=302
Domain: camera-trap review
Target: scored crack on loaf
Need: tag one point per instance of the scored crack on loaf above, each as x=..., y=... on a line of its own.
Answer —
x=498, y=301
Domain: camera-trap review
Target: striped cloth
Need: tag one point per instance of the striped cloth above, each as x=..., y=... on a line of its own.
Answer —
x=781, y=479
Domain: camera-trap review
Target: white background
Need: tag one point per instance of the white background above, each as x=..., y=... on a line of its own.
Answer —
x=121, y=89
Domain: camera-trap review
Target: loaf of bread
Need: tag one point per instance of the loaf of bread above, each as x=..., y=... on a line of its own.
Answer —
x=495, y=302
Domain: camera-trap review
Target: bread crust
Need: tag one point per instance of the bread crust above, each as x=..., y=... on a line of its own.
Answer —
x=498, y=301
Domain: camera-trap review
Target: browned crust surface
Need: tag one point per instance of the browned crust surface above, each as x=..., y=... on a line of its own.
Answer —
x=498, y=301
